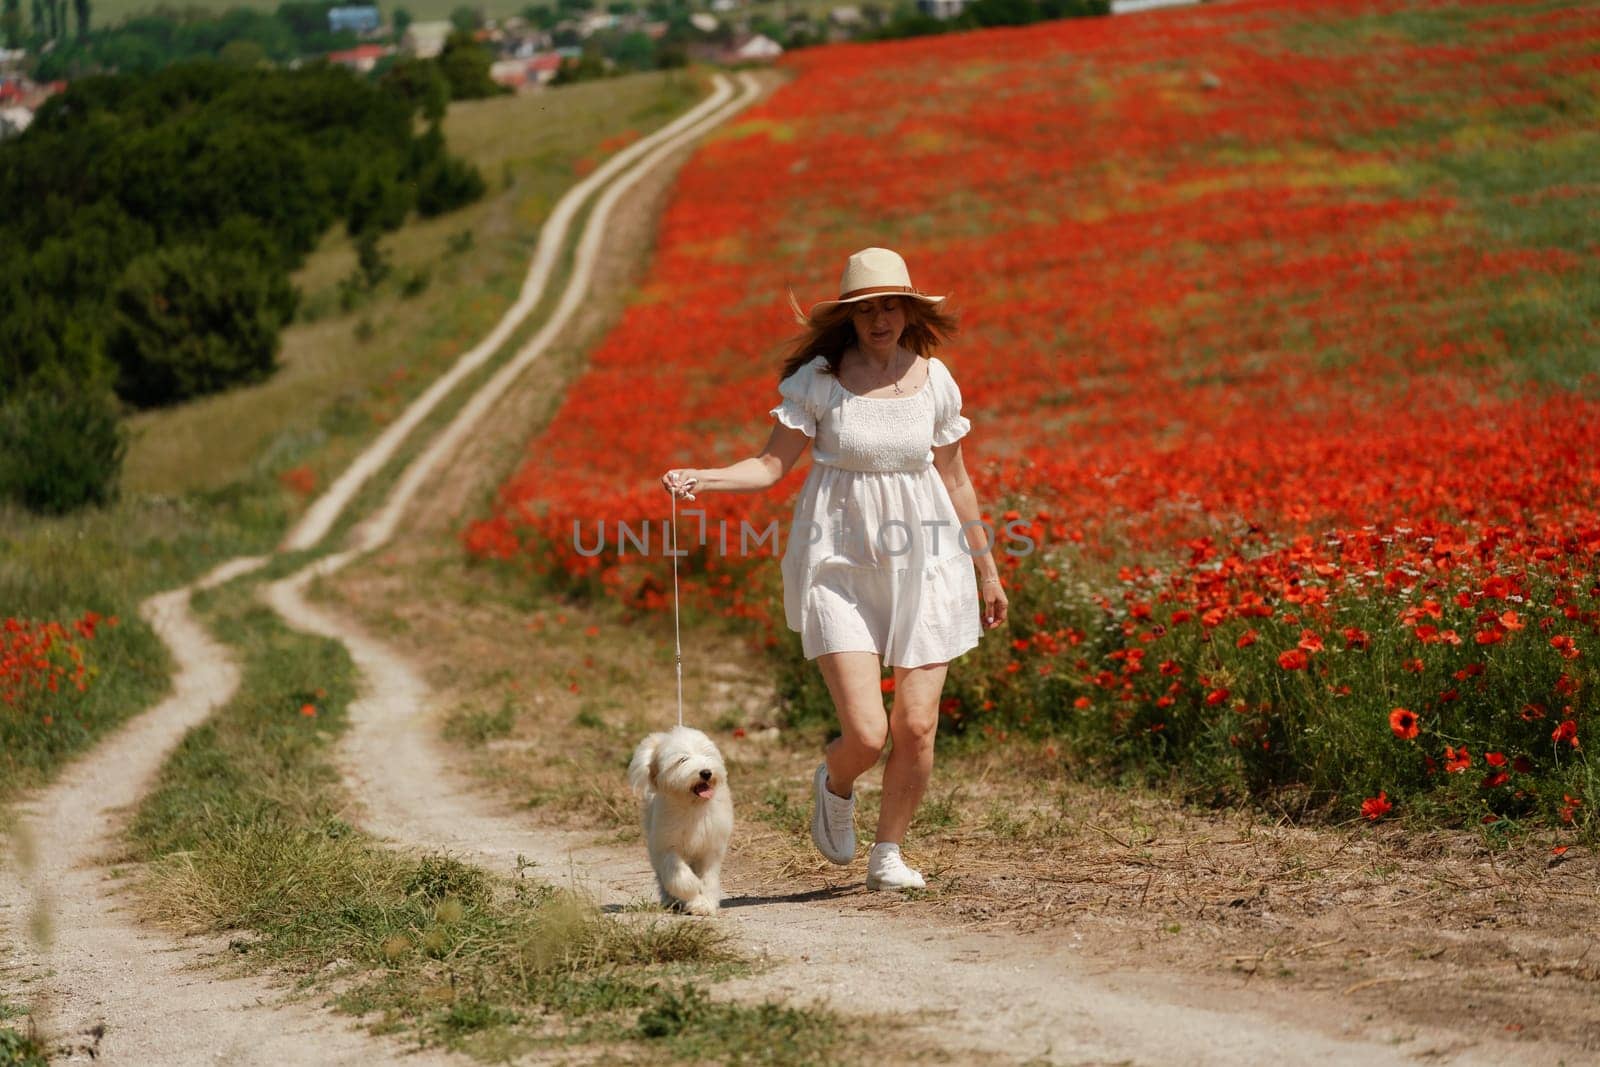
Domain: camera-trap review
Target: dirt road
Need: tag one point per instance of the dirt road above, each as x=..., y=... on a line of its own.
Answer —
x=106, y=988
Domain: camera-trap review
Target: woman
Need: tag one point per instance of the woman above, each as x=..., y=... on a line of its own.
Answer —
x=878, y=567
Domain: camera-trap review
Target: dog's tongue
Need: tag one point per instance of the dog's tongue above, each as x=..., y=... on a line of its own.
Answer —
x=703, y=790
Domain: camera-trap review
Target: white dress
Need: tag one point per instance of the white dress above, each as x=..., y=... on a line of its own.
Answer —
x=876, y=561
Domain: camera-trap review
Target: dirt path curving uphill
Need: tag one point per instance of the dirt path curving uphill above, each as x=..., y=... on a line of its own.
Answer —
x=118, y=992
x=106, y=988
x=389, y=743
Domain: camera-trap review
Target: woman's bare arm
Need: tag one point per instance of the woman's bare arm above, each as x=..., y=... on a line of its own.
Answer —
x=781, y=452
x=953, y=472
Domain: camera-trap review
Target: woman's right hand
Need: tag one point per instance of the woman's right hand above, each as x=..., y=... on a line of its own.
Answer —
x=680, y=482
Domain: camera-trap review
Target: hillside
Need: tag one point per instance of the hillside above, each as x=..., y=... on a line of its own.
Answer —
x=1279, y=336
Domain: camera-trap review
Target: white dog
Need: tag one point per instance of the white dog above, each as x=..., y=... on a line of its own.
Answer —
x=688, y=815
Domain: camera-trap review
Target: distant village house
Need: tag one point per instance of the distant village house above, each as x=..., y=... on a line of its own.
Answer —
x=361, y=58
x=359, y=19
x=756, y=48
x=425, y=39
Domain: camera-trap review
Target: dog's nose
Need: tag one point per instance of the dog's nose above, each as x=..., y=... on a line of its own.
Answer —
x=705, y=776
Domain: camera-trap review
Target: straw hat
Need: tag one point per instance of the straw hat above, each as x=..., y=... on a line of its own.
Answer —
x=875, y=272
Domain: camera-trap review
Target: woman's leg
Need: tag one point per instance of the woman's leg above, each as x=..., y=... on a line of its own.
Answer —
x=852, y=679
x=913, y=723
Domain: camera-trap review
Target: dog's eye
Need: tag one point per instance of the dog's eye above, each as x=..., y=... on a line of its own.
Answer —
x=681, y=761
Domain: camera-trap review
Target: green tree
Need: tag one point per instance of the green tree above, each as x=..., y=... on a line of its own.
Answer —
x=585, y=67
x=421, y=83
x=402, y=21
x=11, y=23
x=443, y=182
x=635, y=50
x=465, y=65
x=466, y=19
x=378, y=200
x=242, y=54
x=188, y=320
x=1002, y=13
x=82, y=9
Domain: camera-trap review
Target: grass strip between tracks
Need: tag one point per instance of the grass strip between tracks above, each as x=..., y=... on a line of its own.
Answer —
x=245, y=835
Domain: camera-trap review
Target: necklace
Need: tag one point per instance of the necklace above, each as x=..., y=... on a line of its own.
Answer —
x=893, y=361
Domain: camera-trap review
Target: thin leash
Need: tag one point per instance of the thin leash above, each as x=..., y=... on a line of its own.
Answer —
x=677, y=638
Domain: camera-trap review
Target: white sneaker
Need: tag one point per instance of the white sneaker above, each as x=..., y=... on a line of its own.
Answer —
x=886, y=870
x=833, y=821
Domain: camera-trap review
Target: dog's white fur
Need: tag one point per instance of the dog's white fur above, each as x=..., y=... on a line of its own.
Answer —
x=686, y=832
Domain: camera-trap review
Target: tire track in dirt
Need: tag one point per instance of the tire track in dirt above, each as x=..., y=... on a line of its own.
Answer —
x=994, y=996
x=323, y=512
x=117, y=991
x=389, y=727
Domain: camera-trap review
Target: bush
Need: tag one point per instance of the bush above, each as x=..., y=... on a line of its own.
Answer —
x=187, y=321
x=377, y=201
x=61, y=446
x=447, y=183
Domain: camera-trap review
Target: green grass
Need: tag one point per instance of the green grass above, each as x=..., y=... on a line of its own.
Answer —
x=340, y=381
x=19, y=1050
x=201, y=484
x=244, y=834
x=18, y=1047
x=107, y=561
x=1523, y=174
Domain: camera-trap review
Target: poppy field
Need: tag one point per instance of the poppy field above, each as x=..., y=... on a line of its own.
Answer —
x=1278, y=337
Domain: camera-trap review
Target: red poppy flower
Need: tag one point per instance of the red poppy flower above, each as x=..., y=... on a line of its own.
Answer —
x=1375, y=808
x=1495, y=759
x=1495, y=778
x=1456, y=761
x=1293, y=660
x=1310, y=641
x=1246, y=639
x=1403, y=723
x=1567, y=731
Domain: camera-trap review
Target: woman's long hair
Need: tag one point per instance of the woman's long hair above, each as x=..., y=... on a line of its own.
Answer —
x=832, y=330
